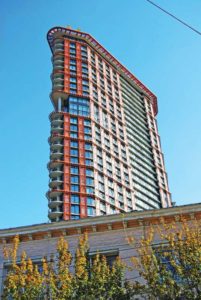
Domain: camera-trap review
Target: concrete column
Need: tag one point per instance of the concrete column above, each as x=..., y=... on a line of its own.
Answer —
x=59, y=104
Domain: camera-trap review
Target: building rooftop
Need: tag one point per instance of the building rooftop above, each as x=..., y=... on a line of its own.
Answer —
x=56, y=31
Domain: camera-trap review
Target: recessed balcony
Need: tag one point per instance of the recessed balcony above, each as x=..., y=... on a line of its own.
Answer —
x=56, y=154
x=56, y=182
x=55, y=172
x=54, y=202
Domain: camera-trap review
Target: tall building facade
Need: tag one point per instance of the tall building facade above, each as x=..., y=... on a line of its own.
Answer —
x=105, y=152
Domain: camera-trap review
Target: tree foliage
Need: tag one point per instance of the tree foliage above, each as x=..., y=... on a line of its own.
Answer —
x=169, y=261
x=90, y=280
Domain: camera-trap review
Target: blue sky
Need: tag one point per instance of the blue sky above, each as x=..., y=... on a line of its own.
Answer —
x=162, y=53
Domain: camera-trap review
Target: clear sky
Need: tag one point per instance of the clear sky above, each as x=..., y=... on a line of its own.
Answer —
x=162, y=53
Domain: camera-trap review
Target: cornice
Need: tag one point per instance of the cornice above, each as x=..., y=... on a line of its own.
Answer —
x=100, y=223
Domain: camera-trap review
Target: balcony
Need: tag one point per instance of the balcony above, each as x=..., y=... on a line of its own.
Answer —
x=54, y=193
x=56, y=182
x=54, y=202
x=58, y=64
x=55, y=212
x=56, y=145
x=55, y=164
x=58, y=47
x=55, y=137
x=56, y=128
x=57, y=120
x=58, y=80
x=55, y=172
x=56, y=154
x=57, y=86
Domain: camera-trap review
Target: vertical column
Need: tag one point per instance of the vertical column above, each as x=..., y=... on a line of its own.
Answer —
x=79, y=69
x=82, y=169
x=59, y=104
x=158, y=155
x=66, y=66
x=66, y=169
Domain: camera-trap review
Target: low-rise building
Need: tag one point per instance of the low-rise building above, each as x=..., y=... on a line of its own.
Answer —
x=107, y=234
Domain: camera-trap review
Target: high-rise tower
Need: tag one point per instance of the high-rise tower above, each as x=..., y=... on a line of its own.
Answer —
x=105, y=153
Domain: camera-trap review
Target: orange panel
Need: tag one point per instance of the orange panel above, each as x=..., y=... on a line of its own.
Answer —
x=79, y=69
x=66, y=66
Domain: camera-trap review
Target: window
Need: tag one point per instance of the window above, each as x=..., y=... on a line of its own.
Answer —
x=75, y=199
x=74, y=170
x=111, y=192
x=72, y=52
x=91, y=211
x=87, y=130
x=88, y=154
x=78, y=106
x=73, y=86
x=88, y=146
x=72, y=67
x=89, y=190
x=73, y=120
x=74, y=179
x=87, y=137
x=75, y=209
x=89, y=172
x=73, y=135
x=90, y=201
x=74, y=160
x=74, y=144
x=72, y=45
x=89, y=181
x=110, y=255
x=74, y=152
x=87, y=122
x=72, y=61
x=74, y=188
x=101, y=187
x=73, y=80
x=88, y=162
x=73, y=127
